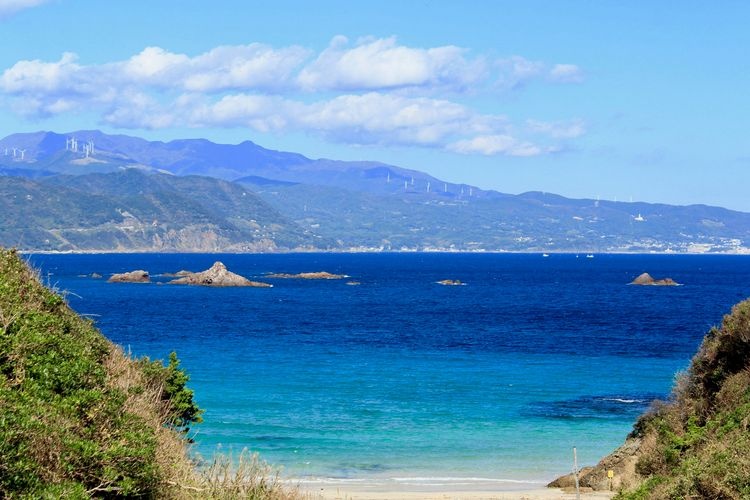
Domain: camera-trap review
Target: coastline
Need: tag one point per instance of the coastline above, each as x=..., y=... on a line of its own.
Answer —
x=355, y=251
x=362, y=491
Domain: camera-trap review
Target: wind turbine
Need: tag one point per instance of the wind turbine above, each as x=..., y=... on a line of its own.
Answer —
x=23, y=152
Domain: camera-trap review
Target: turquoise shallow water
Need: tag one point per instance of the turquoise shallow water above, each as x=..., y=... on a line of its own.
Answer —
x=403, y=379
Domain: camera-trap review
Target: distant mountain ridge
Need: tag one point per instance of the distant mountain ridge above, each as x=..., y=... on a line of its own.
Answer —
x=47, y=151
x=127, y=194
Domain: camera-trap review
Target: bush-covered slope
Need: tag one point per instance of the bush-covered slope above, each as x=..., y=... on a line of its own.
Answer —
x=77, y=417
x=698, y=446
x=80, y=419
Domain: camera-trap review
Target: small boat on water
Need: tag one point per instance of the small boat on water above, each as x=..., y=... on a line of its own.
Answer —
x=590, y=256
x=545, y=255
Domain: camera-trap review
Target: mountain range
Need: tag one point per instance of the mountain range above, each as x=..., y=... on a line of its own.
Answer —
x=90, y=191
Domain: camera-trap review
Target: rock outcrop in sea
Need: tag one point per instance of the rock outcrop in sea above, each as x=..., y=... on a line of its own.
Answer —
x=139, y=276
x=217, y=275
x=450, y=282
x=647, y=280
x=319, y=275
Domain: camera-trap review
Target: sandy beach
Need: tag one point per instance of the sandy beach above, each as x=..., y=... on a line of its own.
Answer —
x=362, y=492
x=390, y=489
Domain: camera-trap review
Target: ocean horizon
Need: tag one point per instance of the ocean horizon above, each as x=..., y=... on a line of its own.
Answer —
x=399, y=380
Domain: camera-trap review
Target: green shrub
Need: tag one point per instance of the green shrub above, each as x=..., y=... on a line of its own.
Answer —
x=66, y=429
x=699, y=443
x=182, y=409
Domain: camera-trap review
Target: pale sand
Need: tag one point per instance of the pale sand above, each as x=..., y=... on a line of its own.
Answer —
x=362, y=492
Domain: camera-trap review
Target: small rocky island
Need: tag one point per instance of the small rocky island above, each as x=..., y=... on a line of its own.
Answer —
x=139, y=276
x=451, y=283
x=319, y=275
x=217, y=275
x=646, y=280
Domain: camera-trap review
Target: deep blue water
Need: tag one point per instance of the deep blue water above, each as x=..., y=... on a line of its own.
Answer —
x=402, y=378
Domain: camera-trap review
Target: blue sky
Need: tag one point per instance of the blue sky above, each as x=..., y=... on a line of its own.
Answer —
x=613, y=99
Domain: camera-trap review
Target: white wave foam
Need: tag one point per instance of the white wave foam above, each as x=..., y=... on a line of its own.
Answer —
x=621, y=400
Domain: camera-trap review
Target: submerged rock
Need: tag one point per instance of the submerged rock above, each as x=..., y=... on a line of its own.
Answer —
x=139, y=276
x=216, y=275
x=646, y=279
x=320, y=275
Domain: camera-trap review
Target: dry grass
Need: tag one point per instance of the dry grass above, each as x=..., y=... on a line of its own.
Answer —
x=225, y=477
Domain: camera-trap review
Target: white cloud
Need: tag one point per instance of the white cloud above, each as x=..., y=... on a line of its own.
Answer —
x=138, y=110
x=375, y=118
x=372, y=92
x=10, y=7
x=372, y=118
x=254, y=66
x=36, y=75
x=383, y=64
x=494, y=145
x=566, y=73
x=558, y=130
x=516, y=71
x=155, y=66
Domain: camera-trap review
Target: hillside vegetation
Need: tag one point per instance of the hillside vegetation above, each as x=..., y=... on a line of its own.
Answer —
x=193, y=195
x=80, y=419
x=698, y=445
x=132, y=210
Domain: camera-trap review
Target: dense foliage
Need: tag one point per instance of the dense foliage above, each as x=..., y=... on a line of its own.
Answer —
x=698, y=445
x=172, y=380
x=70, y=421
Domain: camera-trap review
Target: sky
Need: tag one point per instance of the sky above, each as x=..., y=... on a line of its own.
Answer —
x=643, y=101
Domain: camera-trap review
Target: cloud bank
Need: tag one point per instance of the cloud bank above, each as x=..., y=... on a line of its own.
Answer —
x=372, y=91
x=10, y=7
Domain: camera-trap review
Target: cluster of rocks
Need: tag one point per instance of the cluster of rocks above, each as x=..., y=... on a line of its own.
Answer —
x=217, y=275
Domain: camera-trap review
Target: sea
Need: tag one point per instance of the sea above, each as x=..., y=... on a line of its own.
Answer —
x=400, y=381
